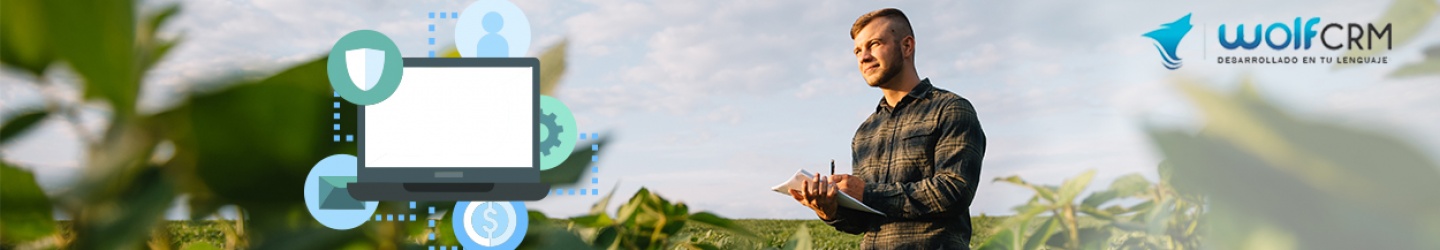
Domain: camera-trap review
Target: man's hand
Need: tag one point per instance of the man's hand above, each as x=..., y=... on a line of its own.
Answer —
x=818, y=193
x=850, y=185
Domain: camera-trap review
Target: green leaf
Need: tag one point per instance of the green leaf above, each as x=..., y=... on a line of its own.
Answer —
x=1125, y=186
x=23, y=36
x=27, y=215
x=1097, y=199
x=1142, y=206
x=801, y=240
x=153, y=48
x=1027, y=212
x=234, y=139
x=1042, y=234
x=711, y=219
x=1009, y=234
x=543, y=234
x=133, y=210
x=593, y=220
x=1429, y=66
x=1005, y=239
x=537, y=217
x=1333, y=160
x=160, y=49
x=1160, y=216
x=570, y=171
x=1407, y=19
x=227, y=138
x=1072, y=187
x=632, y=208
x=1130, y=226
x=449, y=52
x=608, y=238
x=1091, y=238
x=1130, y=185
x=98, y=40
x=1424, y=68
x=1046, y=192
x=552, y=67
x=1363, y=188
x=155, y=21
x=446, y=237
x=659, y=215
x=1097, y=213
x=15, y=126
x=604, y=203
x=1095, y=237
x=175, y=127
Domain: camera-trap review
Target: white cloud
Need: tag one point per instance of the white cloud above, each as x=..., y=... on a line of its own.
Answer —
x=687, y=53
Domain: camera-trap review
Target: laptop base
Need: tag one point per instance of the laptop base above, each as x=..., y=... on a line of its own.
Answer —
x=400, y=191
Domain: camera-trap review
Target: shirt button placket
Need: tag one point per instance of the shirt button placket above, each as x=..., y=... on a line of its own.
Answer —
x=893, y=127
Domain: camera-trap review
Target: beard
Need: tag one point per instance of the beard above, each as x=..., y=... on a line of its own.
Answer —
x=889, y=71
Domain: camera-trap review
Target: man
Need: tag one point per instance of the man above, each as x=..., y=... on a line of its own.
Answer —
x=917, y=158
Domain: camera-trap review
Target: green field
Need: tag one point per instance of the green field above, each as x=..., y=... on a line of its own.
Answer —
x=773, y=233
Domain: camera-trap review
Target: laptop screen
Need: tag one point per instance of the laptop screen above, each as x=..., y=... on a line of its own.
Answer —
x=454, y=117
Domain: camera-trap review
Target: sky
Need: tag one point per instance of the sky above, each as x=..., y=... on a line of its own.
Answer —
x=713, y=102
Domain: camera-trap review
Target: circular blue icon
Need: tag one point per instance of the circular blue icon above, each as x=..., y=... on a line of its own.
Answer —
x=490, y=224
x=328, y=199
x=492, y=28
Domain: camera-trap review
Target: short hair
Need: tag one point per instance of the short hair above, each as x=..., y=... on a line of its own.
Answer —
x=901, y=25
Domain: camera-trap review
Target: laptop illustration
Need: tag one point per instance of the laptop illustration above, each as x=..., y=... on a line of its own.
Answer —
x=456, y=129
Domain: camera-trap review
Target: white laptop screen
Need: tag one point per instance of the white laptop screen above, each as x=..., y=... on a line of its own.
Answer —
x=450, y=117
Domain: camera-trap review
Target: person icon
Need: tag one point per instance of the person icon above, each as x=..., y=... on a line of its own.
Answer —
x=492, y=44
x=492, y=28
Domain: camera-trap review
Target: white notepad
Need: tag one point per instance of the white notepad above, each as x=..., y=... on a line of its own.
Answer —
x=796, y=182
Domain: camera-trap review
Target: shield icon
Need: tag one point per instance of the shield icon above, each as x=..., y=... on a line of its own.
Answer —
x=365, y=66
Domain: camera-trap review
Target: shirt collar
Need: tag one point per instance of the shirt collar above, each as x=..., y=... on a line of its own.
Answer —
x=921, y=90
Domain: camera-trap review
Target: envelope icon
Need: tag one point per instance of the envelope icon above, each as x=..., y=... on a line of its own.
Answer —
x=333, y=194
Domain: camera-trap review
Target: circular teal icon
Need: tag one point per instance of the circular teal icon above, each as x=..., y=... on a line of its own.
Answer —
x=365, y=67
x=490, y=224
x=492, y=28
x=557, y=132
x=327, y=197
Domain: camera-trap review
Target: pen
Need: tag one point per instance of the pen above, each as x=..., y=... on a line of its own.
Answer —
x=832, y=166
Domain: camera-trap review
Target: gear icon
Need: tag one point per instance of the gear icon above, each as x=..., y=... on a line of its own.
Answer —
x=560, y=133
x=552, y=139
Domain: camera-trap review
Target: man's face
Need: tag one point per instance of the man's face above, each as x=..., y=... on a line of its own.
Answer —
x=878, y=52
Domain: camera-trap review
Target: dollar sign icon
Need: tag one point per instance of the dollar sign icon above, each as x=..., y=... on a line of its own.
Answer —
x=490, y=229
x=490, y=224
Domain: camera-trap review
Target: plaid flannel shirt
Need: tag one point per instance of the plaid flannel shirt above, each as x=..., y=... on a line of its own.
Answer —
x=921, y=162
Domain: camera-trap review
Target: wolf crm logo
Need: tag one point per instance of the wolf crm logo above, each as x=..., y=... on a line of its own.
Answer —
x=1167, y=37
x=365, y=66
